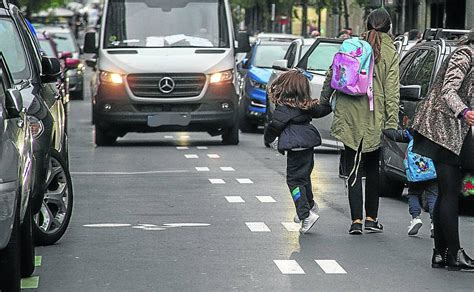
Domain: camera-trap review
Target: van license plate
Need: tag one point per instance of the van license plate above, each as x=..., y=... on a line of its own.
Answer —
x=165, y=119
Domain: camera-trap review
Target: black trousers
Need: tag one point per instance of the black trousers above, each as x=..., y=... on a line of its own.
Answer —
x=446, y=211
x=299, y=165
x=370, y=163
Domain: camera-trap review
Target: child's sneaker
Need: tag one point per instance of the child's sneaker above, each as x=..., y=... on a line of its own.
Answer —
x=309, y=222
x=415, y=225
x=432, y=231
x=315, y=209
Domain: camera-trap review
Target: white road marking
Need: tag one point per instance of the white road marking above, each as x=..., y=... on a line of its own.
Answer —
x=183, y=137
x=234, y=199
x=214, y=156
x=199, y=168
x=330, y=267
x=191, y=156
x=227, y=168
x=257, y=227
x=266, y=199
x=186, y=224
x=147, y=225
x=168, y=137
x=289, y=267
x=182, y=148
x=216, y=181
x=126, y=173
x=244, y=181
x=154, y=228
x=107, y=225
x=202, y=147
x=291, y=226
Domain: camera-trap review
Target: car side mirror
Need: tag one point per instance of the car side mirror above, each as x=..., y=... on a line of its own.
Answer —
x=51, y=69
x=243, y=40
x=90, y=45
x=72, y=63
x=410, y=92
x=281, y=65
x=65, y=55
x=91, y=62
x=16, y=102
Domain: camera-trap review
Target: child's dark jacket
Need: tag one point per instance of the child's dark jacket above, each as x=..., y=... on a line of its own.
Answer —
x=293, y=128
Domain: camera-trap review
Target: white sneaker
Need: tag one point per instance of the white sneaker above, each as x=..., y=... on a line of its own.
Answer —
x=308, y=223
x=432, y=231
x=415, y=225
x=315, y=209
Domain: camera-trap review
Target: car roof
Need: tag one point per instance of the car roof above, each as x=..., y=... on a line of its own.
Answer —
x=277, y=36
x=273, y=43
x=308, y=42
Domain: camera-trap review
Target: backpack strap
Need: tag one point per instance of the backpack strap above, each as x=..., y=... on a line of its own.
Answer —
x=370, y=90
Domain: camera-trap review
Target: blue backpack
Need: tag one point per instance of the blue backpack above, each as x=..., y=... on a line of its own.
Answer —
x=418, y=168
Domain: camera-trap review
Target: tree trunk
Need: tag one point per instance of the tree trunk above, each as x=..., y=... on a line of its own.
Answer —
x=304, y=23
x=346, y=14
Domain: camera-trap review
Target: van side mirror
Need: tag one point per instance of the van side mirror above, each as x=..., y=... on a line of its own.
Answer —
x=15, y=101
x=243, y=40
x=51, y=69
x=90, y=45
x=281, y=65
x=410, y=92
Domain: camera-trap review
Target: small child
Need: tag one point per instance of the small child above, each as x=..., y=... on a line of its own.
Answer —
x=416, y=190
x=291, y=129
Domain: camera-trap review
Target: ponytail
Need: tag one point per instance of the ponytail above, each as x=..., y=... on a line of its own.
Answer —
x=374, y=38
x=378, y=22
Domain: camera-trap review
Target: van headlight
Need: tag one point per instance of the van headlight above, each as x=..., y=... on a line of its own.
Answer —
x=36, y=126
x=256, y=84
x=109, y=77
x=222, y=76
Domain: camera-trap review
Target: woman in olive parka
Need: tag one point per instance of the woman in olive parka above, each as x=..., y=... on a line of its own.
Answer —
x=360, y=129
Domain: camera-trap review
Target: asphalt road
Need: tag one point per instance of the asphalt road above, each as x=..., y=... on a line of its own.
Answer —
x=191, y=221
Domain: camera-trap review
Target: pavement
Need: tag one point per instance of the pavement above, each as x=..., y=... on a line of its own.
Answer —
x=181, y=212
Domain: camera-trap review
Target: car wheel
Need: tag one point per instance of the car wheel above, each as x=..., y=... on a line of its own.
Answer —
x=231, y=136
x=27, y=245
x=244, y=124
x=53, y=218
x=102, y=138
x=10, y=276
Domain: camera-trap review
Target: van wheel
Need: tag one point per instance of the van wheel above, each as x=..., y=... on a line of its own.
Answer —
x=53, y=219
x=102, y=138
x=231, y=136
x=244, y=124
x=27, y=245
x=10, y=276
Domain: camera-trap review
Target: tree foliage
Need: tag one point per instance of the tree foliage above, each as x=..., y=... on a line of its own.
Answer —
x=37, y=5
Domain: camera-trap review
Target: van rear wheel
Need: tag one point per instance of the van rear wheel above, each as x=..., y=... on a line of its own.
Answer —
x=103, y=138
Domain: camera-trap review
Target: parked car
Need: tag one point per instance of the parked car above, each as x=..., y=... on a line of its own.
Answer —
x=35, y=76
x=418, y=70
x=315, y=61
x=253, y=96
x=67, y=47
x=277, y=37
x=17, y=250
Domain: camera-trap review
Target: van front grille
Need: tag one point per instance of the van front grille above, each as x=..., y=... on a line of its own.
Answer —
x=148, y=85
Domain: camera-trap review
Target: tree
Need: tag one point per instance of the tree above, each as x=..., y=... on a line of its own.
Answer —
x=37, y=5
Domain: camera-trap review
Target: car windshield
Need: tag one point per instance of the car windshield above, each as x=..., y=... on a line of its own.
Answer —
x=174, y=23
x=47, y=48
x=265, y=55
x=64, y=42
x=321, y=58
x=12, y=48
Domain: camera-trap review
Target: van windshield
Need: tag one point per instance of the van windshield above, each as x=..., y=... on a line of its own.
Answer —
x=166, y=23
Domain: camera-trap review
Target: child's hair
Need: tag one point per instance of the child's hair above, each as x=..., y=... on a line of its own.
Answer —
x=292, y=89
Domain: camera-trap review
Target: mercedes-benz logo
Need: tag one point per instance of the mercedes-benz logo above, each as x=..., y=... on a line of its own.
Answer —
x=166, y=84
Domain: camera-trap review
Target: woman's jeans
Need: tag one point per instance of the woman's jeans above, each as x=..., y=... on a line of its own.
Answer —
x=416, y=190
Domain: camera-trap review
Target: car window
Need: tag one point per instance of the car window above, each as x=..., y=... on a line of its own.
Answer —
x=420, y=70
x=265, y=55
x=304, y=49
x=47, y=47
x=291, y=55
x=13, y=50
x=321, y=58
x=64, y=42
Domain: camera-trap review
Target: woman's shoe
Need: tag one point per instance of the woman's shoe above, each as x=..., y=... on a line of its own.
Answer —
x=356, y=229
x=438, y=261
x=461, y=261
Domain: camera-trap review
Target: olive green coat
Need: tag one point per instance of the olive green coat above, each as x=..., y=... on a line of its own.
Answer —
x=353, y=121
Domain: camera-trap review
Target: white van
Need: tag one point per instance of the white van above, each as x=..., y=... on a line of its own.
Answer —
x=165, y=65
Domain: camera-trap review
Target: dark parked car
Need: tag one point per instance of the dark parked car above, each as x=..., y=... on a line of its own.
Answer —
x=17, y=250
x=418, y=70
x=35, y=76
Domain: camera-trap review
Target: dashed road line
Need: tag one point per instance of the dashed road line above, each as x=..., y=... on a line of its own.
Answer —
x=183, y=137
x=330, y=267
x=191, y=156
x=234, y=199
x=227, y=168
x=244, y=181
x=126, y=172
x=257, y=227
x=202, y=168
x=182, y=148
x=169, y=137
x=202, y=147
x=266, y=199
x=289, y=267
x=216, y=181
x=291, y=226
x=30, y=283
x=213, y=156
x=38, y=261
x=107, y=225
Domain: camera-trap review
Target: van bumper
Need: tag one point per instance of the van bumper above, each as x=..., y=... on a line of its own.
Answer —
x=113, y=110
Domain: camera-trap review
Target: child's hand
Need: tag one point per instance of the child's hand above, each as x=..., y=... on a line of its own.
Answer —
x=274, y=144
